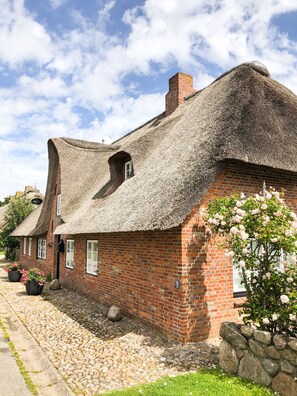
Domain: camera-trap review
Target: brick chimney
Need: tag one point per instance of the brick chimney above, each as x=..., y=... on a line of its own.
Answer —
x=180, y=86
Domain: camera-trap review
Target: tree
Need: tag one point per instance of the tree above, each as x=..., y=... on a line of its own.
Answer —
x=5, y=201
x=16, y=213
x=256, y=231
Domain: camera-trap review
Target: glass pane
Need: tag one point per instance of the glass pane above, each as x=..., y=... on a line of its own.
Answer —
x=237, y=277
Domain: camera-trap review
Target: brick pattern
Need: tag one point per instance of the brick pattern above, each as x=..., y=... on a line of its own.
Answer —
x=180, y=86
x=138, y=270
x=207, y=271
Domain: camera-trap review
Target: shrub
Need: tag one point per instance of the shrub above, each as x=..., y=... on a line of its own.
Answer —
x=257, y=231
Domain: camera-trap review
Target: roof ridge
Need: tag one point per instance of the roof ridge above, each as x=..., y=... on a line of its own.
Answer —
x=86, y=144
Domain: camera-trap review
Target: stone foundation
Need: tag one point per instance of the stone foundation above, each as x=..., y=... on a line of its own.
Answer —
x=259, y=356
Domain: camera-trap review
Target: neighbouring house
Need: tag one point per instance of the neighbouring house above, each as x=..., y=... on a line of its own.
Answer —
x=30, y=192
x=123, y=223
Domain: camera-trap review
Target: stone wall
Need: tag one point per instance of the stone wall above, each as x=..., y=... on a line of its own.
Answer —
x=260, y=356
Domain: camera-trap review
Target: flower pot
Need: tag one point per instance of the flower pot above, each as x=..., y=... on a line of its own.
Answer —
x=33, y=288
x=14, y=276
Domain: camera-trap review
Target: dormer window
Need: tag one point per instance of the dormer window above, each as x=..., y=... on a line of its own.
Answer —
x=128, y=171
x=121, y=168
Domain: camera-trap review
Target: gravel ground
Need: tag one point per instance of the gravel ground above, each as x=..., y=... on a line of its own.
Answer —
x=93, y=354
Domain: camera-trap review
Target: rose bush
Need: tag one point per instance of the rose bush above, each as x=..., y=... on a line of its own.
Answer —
x=260, y=234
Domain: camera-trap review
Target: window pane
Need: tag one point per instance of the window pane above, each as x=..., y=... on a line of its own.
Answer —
x=237, y=277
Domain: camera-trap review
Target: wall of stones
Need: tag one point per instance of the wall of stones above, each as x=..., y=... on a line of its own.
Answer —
x=259, y=356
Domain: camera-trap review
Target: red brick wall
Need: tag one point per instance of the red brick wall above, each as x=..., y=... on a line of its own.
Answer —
x=180, y=86
x=32, y=261
x=207, y=271
x=137, y=272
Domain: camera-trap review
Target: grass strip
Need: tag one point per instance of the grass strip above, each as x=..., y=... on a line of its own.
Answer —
x=29, y=383
x=206, y=382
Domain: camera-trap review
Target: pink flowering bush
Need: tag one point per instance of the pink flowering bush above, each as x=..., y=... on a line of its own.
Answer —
x=257, y=231
x=33, y=274
x=13, y=267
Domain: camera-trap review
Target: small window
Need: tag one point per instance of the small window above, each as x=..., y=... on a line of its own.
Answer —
x=30, y=247
x=128, y=172
x=238, y=286
x=59, y=202
x=70, y=253
x=41, y=252
x=24, y=246
x=92, y=257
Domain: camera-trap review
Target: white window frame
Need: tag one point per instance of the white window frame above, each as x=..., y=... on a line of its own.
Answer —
x=70, y=253
x=128, y=170
x=237, y=277
x=41, y=251
x=24, y=246
x=59, y=204
x=30, y=247
x=92, y=257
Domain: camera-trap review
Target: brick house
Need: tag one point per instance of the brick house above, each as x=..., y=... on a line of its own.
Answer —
x=123, y=223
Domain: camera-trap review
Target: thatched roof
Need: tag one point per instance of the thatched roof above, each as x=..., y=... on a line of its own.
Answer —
x=33, y=194
x=27, y=227
x=243, y=115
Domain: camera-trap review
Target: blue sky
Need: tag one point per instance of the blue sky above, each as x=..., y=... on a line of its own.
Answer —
x=96, y=69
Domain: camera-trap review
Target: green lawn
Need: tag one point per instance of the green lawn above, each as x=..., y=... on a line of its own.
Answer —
x=203, y=383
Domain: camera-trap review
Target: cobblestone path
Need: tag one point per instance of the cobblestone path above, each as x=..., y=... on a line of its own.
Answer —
x=93, y=354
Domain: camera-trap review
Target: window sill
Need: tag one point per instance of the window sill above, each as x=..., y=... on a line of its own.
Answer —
x=239, y=294
x=89, y=273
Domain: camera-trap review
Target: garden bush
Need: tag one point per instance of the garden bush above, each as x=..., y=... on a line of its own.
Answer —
x=257, y=232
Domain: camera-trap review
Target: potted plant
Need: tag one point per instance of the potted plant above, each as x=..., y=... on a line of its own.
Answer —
x=34, y=281
x=14, y=272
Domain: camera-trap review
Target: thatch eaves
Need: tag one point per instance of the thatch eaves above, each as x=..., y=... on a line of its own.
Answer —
x=27, y=227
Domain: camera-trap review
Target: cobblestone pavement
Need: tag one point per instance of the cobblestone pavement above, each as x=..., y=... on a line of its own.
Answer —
x=93, y=354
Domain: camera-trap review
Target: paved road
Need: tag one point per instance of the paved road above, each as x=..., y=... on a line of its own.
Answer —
x=11, y=380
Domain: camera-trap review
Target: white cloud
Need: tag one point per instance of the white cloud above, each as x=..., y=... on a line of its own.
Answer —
x=43, y=86
x=22, y=38
x=57, y=3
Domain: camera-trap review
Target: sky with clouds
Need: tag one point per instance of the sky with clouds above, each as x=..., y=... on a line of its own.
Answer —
x=97, y=69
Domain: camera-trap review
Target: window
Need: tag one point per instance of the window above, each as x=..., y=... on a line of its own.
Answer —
x=92, y=257
x=70, y=253
x=128, y=170
x=30, y=247
x=59, y=202
x=41, y=252
x=238, y=287
x=24, y=246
